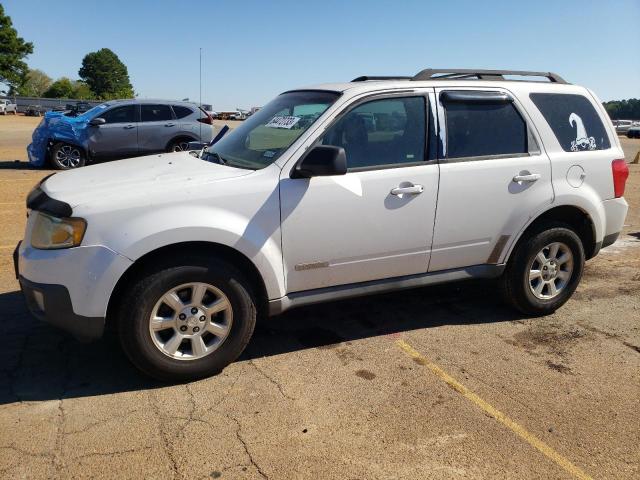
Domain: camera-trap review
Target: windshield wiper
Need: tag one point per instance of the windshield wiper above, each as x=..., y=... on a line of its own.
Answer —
x=216, y=158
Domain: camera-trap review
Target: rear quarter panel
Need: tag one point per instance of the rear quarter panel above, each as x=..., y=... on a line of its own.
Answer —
x=583, y=178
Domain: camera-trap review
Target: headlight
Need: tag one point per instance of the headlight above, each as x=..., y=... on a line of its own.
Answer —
x=50, y=232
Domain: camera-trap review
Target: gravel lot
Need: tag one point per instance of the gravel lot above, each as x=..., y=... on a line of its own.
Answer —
x=440, y=382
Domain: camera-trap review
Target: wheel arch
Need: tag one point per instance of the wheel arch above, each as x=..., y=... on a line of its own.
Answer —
x=218, y=250
x=179, y=137
x=577, y=218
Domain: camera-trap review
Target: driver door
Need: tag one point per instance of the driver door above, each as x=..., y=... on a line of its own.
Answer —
x=364, y=225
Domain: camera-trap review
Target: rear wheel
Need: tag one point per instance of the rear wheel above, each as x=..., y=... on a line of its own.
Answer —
x=66, y=157
x=544, y=271
x=188, y=319
x=181, y=145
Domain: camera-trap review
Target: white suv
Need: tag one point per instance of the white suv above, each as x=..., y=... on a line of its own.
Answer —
x=328, y=192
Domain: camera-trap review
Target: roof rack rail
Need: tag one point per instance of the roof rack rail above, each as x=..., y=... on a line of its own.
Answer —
x=461, y=73
x=365, y=78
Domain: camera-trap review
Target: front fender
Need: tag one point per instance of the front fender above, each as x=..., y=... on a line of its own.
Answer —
x=255, y=236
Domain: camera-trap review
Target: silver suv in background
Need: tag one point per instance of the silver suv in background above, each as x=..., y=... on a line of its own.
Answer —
x=118, y=129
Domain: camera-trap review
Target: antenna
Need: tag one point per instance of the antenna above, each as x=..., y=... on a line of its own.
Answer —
x=200, y=92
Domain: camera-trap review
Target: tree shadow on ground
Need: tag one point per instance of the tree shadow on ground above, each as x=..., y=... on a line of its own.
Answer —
x=39, y=362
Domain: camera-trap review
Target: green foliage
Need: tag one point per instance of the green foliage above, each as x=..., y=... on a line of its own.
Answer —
x=61, y=88
x=623, y=109
x=106, y=75
x=81, y=91
x=66, y=88
x=36, y=83
x=13, y=49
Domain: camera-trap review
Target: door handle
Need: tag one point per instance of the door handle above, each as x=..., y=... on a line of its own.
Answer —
x=169, y=124
x=411, y=190
x=531, y=177
x=129, y=127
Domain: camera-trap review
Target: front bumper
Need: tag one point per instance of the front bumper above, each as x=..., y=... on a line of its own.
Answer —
x=69, y=288
x=52, y=304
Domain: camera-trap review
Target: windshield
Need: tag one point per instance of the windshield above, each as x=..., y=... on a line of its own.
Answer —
x=98, y=108
x=265, y=135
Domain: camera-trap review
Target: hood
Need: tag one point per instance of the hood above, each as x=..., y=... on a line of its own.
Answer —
x=136, y=176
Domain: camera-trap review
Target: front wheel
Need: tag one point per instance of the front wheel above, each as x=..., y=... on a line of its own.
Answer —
x=544, y=271
x=67, y=157
x=188, y=319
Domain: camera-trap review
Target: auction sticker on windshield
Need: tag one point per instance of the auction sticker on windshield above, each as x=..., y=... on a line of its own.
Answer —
x=282, y=122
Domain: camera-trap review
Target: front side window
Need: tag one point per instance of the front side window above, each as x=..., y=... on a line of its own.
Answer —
x=384, y=132
x=155, y=113
x=268, y=133
x=126, y=114
x=479, y=129
x=574, y=121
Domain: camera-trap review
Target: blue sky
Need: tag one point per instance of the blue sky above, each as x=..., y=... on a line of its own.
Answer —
x=253, y=50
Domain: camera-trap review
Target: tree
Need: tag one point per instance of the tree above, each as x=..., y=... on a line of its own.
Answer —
x=106, y=75
x=623, y=109
x=13, y=49
x=36, y=83
x=61, y=88
x=81, y=91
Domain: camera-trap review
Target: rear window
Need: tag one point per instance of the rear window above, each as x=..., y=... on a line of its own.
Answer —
x=484, y=129
x=574, y=121
x=181, y=112
x=155, y=113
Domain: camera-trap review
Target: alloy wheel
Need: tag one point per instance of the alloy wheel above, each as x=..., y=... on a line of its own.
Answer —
x=550, y=270
x=191, y=321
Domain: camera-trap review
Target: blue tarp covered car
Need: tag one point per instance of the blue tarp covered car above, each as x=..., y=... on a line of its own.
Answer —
x=55, y=127
x=117, y=129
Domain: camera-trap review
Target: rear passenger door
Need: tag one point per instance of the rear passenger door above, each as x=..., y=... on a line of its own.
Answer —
x=157, y=127
x=493, y=176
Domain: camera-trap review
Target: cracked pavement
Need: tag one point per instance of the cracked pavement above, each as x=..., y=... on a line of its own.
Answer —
x=324, y=392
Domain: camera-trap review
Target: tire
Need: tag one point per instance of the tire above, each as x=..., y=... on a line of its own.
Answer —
x=65, y=156
x=516, y=284
x=150, y=350
x=179, y=145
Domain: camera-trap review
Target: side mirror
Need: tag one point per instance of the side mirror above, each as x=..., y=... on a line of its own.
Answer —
x=322, y=161
x=96, y=122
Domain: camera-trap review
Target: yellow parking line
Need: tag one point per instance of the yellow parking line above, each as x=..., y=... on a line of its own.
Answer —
x=7, y=246
x=493, y=412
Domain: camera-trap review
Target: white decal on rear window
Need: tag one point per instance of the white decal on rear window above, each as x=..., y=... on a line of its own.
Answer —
x=282, y=122
x=582, y=141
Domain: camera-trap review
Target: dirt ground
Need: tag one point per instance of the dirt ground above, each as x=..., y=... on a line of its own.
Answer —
x=440, y=382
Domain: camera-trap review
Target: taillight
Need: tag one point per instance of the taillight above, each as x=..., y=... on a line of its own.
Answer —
x=208, y=120
x=620, y=174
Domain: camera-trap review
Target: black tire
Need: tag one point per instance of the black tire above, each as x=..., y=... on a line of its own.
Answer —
x=514, y=283
x=179, y=145
x=65, y=156
x=137, y=305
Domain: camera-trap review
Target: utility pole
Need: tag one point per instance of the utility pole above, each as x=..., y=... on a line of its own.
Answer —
x=200, y=92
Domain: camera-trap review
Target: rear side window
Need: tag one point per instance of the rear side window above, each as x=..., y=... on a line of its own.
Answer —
x=574, y=121
x=155, y=113
x=181, y=111
x=484, y=129
x=126, y=114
